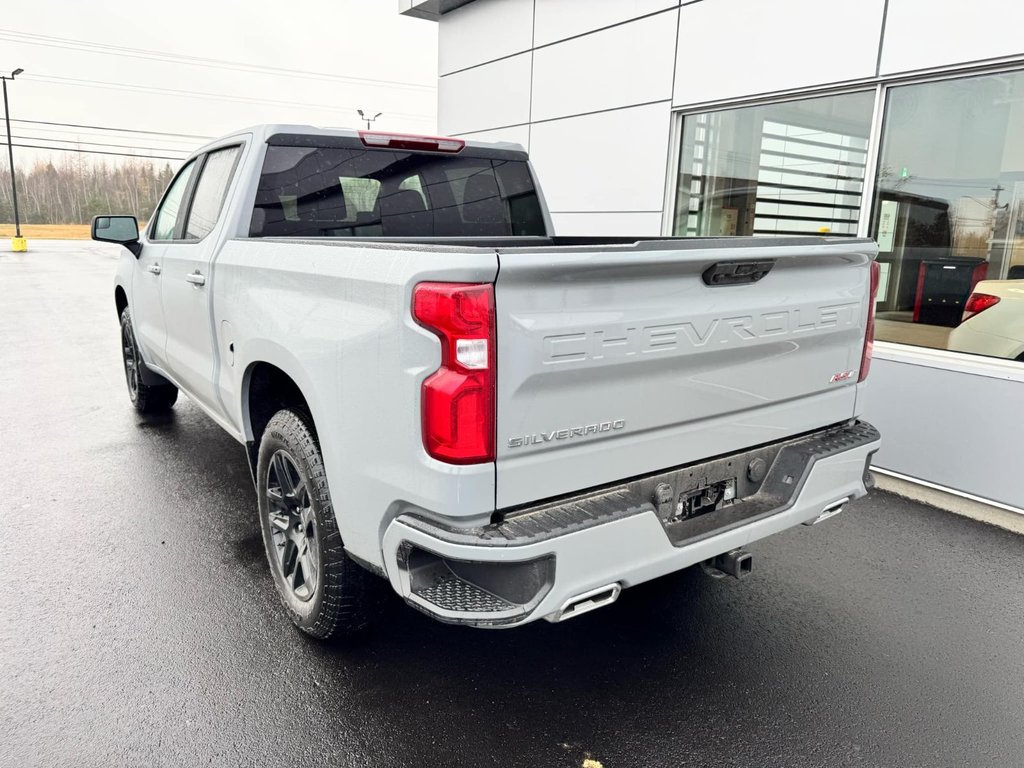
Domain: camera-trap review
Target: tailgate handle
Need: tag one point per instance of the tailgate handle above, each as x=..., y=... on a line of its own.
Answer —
x=736, y=272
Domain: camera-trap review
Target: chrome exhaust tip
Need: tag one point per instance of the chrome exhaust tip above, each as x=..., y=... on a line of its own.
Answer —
x=831, y=510
x=589, y=601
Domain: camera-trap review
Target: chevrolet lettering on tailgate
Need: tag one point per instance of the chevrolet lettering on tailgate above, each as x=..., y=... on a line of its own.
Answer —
x=619, y=341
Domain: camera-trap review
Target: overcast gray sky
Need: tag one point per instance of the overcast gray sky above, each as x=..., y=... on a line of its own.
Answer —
x=360, y=54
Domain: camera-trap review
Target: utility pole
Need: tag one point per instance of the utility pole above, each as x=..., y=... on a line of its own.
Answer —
x=17, y=242
x=369, y=120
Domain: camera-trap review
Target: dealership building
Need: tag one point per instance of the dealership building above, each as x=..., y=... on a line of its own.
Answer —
x=899, y=120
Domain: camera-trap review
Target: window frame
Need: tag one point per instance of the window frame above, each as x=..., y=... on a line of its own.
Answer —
x=676, y=145
x=186, y=196
x=940, y=358
x=189, y=196
x=879, y=84
x=183, y=223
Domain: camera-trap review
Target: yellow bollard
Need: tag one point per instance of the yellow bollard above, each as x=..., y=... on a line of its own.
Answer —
x=19, y=244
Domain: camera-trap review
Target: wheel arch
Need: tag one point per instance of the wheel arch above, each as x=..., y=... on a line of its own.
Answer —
x=120, y=300
x=267, y=387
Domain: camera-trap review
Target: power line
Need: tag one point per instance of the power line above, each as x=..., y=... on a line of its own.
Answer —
x=105, y=128
x=184, y=153
x=135, y=88
x=197, y=61
x=93, y=152
x=189, y=144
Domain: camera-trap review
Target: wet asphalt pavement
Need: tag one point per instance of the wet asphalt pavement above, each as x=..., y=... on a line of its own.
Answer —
x=139, y=624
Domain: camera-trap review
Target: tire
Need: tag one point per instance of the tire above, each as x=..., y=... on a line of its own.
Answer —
x=147, y=398
x=325, y=593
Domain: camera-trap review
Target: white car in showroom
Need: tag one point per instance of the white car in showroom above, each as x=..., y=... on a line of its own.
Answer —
x=993, y=322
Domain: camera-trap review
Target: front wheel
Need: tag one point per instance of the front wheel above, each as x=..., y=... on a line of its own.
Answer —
x=147, y=398
x=324, y=592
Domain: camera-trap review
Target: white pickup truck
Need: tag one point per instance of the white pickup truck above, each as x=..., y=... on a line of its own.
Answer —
x=506, y=425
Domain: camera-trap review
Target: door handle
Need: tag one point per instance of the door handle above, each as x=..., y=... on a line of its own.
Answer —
x=154, y=268
x=196, y=278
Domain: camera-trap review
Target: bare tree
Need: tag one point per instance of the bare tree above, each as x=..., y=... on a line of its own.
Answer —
x=75, y=190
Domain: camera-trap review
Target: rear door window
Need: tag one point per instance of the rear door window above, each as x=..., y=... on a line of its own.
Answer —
x=210, y=192
x=341, y=192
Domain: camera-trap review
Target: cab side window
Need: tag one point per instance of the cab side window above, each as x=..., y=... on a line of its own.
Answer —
x=210, y=192
x=167, y=216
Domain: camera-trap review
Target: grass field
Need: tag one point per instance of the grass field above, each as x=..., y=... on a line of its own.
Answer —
x=47, y=231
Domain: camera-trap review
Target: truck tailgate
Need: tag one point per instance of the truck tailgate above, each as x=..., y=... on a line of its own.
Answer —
x=616, y=361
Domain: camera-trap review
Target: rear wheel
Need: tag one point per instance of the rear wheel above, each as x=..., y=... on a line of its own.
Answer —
x=324, y=592
x=147, y=398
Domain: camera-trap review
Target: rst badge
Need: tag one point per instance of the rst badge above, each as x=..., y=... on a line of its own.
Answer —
x=841, y=376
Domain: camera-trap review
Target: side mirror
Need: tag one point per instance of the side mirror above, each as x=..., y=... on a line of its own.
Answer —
x=123, y=230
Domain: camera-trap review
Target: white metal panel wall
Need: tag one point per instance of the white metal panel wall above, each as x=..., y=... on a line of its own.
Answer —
x=559, y=19
x=950, y=427
x=733, y=48
x=924, y=33
x=517, y=134
x=485, y=97
x=597, y=224
x=626, y=64
x=484, y=31
x=605, y=162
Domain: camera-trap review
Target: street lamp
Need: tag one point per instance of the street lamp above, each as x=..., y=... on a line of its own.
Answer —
x=17, y=242
x=368, y=120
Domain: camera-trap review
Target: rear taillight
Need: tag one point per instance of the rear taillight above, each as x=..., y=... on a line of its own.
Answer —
x=458, y=399
x=978, y=302
x=869, y=331
x=413, y=142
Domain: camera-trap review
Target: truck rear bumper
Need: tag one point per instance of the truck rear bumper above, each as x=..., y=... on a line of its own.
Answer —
x=559, y=559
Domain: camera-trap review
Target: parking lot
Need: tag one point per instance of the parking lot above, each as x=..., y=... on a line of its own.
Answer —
x=140, y=625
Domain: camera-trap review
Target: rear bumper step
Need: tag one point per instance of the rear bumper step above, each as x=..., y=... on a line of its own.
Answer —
x=570, y=556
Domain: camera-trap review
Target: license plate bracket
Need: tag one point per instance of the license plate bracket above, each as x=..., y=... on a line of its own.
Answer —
x=705, y=498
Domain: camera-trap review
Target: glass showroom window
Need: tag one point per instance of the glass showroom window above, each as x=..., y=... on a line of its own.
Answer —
x=948, y=215
x=795, y=167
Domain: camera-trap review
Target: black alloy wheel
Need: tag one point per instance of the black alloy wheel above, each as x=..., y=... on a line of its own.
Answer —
x=292, y=524
x=131, y=360
x=325, y=592
x=147, y=398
